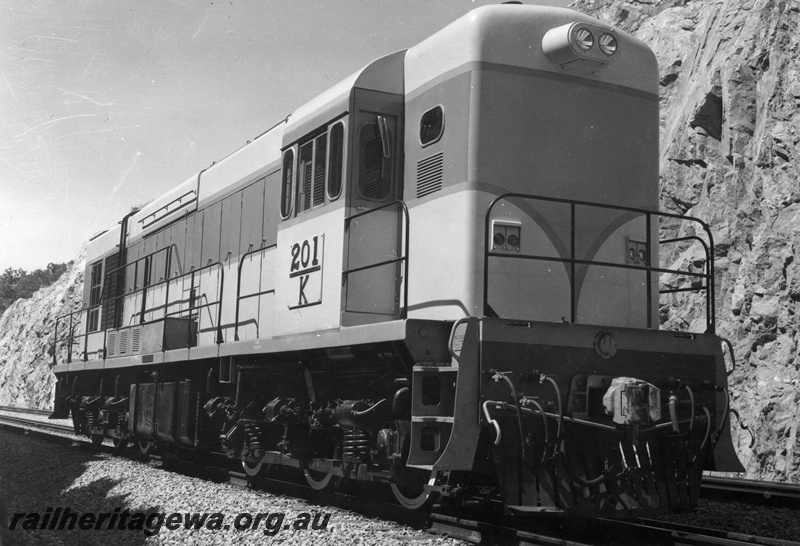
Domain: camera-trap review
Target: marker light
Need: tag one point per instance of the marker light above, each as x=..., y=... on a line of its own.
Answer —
x=608, y=44
x=584, y=39
x=506, y=235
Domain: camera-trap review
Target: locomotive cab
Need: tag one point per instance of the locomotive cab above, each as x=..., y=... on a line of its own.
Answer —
x=341, y=218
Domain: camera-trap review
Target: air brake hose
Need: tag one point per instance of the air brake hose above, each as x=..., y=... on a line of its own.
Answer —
x=724, y=412
x=560, y=408
x=708, y=428
x=594, y=481
x=523, y=456
x=540, y=409
x=703, y=444
x=493, y=422
x=744, y=427
x=691, y=401
x=673, y=412
x=497, y=377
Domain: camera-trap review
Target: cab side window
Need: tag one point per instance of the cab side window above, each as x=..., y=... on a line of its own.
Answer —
x=431, y=126
x=311, y=173
x=336, y=161
x=320, y=164
x=374, y=168
x=286, y=184
x=305, y=165
x=95, y=293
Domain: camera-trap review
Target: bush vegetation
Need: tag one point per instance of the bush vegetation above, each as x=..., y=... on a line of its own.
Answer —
x=19, y=284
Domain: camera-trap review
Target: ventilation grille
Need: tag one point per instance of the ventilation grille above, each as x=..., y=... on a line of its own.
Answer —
x=135, y=335
x=123, y=342
x=429, y=175
x=112, y=344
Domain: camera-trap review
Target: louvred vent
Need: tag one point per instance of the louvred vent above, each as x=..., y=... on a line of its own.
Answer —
x=429, y=175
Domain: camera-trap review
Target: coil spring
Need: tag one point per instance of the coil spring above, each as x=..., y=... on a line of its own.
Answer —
x=254, y=433
x=356, y=445
x=120, y=422
x=90, y=419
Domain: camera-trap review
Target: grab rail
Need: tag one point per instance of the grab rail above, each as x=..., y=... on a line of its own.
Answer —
x=402, y=258
x=71, y=336
x=573, y=261
x=239, y=297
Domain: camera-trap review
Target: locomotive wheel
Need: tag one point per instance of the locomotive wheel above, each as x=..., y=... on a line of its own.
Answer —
x=120, y=444
x=145, y=447
x=97, y=439
x=409, y=490
x=320, y=481
x=253, y=469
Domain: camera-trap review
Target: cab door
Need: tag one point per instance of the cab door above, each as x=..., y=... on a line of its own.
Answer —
x=374, y=258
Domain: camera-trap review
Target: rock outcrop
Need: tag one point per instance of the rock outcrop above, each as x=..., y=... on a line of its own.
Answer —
x=26, y=337
x=730, y=151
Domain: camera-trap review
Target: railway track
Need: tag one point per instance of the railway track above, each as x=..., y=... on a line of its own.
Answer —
x=751, y=491
x=20, y=418
x=24, y=410
x=471, y=525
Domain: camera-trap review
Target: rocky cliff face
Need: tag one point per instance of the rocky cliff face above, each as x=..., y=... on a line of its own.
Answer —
x=730, y=151
x=26, y=336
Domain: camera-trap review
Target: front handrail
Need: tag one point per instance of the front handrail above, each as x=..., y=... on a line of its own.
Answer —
x=405, y=249
x=648, y=267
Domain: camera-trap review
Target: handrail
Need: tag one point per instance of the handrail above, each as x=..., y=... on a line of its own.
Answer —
x=192, y=307
x=404, y=258
x=144, y=309
x=239, y=297
x=648, y=267
x=176, y=200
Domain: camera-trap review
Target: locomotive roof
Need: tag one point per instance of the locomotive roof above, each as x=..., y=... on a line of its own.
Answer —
x=511, y=35
x=384, y=74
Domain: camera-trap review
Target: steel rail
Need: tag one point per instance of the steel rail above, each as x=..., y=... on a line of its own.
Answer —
x=25, y=410
x=750, y=491
x=21, y=421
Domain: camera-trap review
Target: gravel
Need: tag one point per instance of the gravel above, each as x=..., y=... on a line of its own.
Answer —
x=36, y=475
x=736, y=517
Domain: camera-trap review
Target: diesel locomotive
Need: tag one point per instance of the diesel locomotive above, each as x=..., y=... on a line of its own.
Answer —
x=447, y=274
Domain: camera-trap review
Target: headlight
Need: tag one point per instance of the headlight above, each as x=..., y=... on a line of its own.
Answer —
x=581, y=44
x=608, y=44
x=584, y=39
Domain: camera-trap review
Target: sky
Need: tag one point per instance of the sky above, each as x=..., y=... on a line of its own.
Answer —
x=105, y=105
